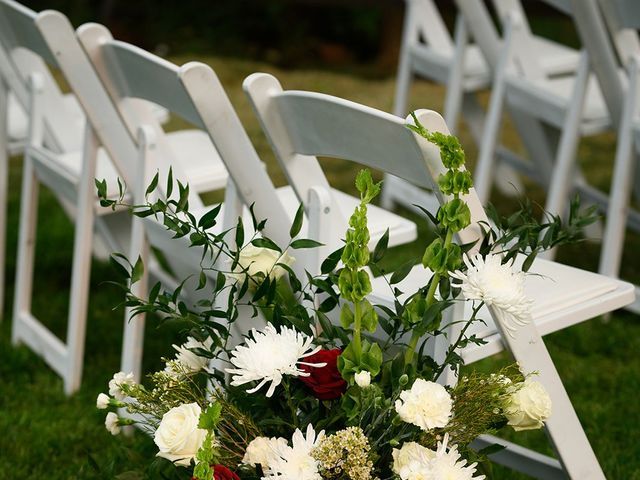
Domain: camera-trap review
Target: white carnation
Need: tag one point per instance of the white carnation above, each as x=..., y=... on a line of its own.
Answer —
x=178, y=437
x=363, y=379
x=112, y=422
x=262, y=451
x=190, y=361
x=499, y=286
x=115, y=384
x=528, y=406
x=427, y=405
x=296, y=462
x=102, y=401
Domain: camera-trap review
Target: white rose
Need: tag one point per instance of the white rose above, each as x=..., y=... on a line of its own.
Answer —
x=115, y=384
x=262, y=260
x=410, y=454
x=363, y=379
x=190, y=361
x=528, y=407
x=262, y=450
x=427, y=405
x=112, y=422
x=178, y=436
x=102, y=401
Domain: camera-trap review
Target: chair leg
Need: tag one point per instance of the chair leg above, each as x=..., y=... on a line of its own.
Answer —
x=26, y=248
x=561, y=179
x=486, y=158
x=455, y=89
x=563, y=427
x=403, y=85
x=4, y=180
x=81, y=267
x=621, y=184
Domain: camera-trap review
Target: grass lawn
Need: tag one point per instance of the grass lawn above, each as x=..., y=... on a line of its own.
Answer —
x=47, y=435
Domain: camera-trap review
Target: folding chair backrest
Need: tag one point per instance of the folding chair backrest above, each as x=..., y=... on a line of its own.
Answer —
x=430, y=25
x=33, y=41
x=193, y=92
x=623, y=20
x=302, y=125
x=130, y=75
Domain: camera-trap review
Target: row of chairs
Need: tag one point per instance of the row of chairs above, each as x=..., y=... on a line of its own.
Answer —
x=553, y=94
x=119, y=87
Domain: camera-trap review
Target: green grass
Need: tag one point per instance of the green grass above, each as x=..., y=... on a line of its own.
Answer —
x=47, y=435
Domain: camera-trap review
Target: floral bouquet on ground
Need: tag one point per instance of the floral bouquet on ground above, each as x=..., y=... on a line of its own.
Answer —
x=328, y=385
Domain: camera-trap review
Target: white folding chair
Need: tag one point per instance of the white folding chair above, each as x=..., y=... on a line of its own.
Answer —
x=429, y=51
x=194, y=93
x=58, y=156
x=315, y=124
x=571, y=106
x=619, y=46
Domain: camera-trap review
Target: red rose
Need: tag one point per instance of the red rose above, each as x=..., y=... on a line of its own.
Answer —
x=326, y=383
x=220, y=472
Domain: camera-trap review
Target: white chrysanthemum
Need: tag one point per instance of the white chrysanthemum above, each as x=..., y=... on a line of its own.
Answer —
x=528, y=407
x=450, y=465
x=409, y=458
x=499, y=286
x=427, y=405
x=296, y=462
x=189, y=361
x=115, y=384
x=262, y=451
x=269, y=355
x=102, y=401
x=112, y=422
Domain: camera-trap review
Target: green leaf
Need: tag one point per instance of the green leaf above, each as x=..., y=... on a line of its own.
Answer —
x=305, y=243
x=138, y=269
x=297, y=222
x=239, y=233
x=346, y=316
x=401, y=273
x=208, y=220
x=210, y=417
x=152, y=186
x=331, y=261
x=169, y=190
x=265, y=243
x=381, y=247
x=529, y=261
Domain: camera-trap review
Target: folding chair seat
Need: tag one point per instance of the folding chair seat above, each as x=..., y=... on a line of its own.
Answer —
x=307, y=123
x=463, y=69
x=64, y=151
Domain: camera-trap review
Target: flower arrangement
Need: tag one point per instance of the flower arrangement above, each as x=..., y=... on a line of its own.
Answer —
x=307, y=398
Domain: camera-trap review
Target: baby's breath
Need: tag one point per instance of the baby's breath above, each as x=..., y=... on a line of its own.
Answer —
x=346, y=452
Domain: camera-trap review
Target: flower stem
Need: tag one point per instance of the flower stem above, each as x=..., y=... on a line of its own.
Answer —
x=292, y=408
x=357, y=342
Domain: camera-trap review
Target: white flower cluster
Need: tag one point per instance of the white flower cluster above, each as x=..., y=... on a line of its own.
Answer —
x=415, y=462
x=116, y=383
x=499, y=286
x=284, y=462
x=269, y=355
x=427, y=405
